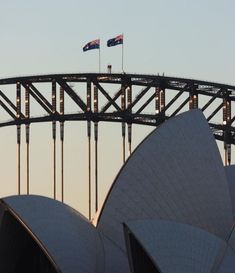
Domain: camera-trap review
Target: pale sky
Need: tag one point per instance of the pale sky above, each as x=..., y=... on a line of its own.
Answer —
x=185, y=38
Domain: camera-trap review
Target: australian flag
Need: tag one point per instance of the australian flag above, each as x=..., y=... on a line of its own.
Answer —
x=95, y=44
x=115, y=41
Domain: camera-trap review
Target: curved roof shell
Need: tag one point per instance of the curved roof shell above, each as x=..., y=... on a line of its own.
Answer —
x=68, y=239
x=228, y=263
x=175, y=174
x=116, y=260
x=176, y=247
x=230, y=173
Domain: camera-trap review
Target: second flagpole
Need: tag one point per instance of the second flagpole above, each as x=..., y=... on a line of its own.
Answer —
x=122, y=52
x=99, y=58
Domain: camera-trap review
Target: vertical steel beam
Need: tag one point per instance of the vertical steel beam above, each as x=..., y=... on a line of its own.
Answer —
x=96, y=147
x=157, y=100
x=123, y=142
x=18, y=112
x=193, y=98
x=190, y=100
x=129, y=136
x=129, y=102
x=89, y=167
x=123, y=106
x=229, y=153
x=227, y=133
x=27, y=155
x=89, y=146
x=27, y=130
x=195, y=101
x=224, y=132
x=96, y=167
x=54, y=157
x=162, y=101
x=62, y=142
x=62, y=160
x=54, y=133
x=18, y=152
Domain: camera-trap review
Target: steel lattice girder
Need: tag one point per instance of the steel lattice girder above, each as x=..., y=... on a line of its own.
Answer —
x=222, y=92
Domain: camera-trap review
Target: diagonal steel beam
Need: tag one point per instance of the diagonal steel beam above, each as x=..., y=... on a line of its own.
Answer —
x=73, y=95
x=232, y=120
x=138, y=97
x=38, y=97
x=111, y=100
x=8, y=100
x=107, y=106
x=172, y=101
x=180, y=107
x=215, y=112
x=145, y=104
x=40, y=102
x=211, y=100
x=7, y=110
x=12, y=105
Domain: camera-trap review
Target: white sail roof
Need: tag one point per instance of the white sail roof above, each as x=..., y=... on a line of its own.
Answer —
x=68, y=238
x=175, y=174
x=176, y=247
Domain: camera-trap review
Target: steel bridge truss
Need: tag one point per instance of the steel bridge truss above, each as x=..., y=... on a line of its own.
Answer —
x=124, y=98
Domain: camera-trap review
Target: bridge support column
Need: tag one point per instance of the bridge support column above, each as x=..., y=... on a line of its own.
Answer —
x=54, y=133
x=62, y=159
x=129, y=102
x=96, y=147
x=18, y=114
x=160, y=99
x=27, y=129
x=89, y=167
x=62, y=142
x=123, y=142
x=19, y=167
x=54, y=157
x=193, y=99
x=160, y=102
x=227, y=133
x=157, y=100
x=123, y=107
x=89, y=146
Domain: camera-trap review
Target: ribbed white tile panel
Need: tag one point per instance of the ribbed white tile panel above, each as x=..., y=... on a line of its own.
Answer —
x=70, y=240
x=178, y=248
x=116, y=260
x=230, y=173
x=175, y=174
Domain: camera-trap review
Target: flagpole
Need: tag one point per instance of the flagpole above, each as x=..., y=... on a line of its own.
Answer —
x=122, y=51
x=99, y=58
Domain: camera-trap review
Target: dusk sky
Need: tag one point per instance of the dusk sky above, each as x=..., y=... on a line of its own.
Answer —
x=184, y=38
